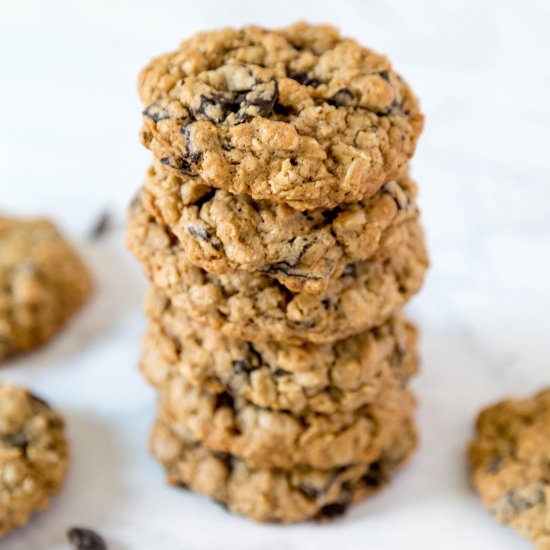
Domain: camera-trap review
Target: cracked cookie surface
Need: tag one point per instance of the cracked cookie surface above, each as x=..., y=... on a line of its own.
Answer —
x=257, y=308
x=309, y=378
x=271, y=495
x=510, y=458
x=42, y=283
x=33, y=455
x=264, y=438
x=298, y=115
x=222, y=232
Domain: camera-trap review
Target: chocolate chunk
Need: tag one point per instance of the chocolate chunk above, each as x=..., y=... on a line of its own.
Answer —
x=400, y=350
x=224, y=399
x=192, y=156
x=226, y=458
x=376, y=476
x=288, y=270
x=156, y=112
x=279, y=372
x=350, y=271
x=101, y=226
x=283, y=110
x=394, y=105
x=384, y=75
x=514, y=503
x=331, y=215
x=167, y=161
x=186, y=168
x=202, y=234
x=495, y=466
x=241, y=366
x=181, y=164
x=205, y=198
x=85, y=539
x=343, y=98
x=310, y=492
x=17, y=440
x=198, y=232
x=215, y=108
x=305, y=78
x=257, y=102
x=333, y=510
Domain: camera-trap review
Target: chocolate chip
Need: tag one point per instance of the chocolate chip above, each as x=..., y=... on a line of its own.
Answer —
x=333, y=510
x=514, y=502
x=384, y=75
x=342, y=98
x=279, y=372
x=181, y=164
x=101, y=226
x=495, y=466
x=202, y=234
x=331, y=215
x=216, y=107
x=376, y=475
x=156, y=112
x=205, y=198
x=305, y=78
x=241, y=366
x=350, y=271
x=280, y=109
x=309, y=492
x=18, y=440
x=400, y=349
x=223, y=399
x=85, y=539
x=193, y=156
x=394, y=105
x=167, y=161
x=198, y=232
x=226, y=458
x=257, y=102
x=186, y=168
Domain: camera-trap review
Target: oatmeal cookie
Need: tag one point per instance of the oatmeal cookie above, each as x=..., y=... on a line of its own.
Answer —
x=325, y=379
x=33, y=456
x=257, y=308
x=264, y=438
x=223, y=233
x=298, y=115
x=42, y=283
x=271, y=495
x=510, y=460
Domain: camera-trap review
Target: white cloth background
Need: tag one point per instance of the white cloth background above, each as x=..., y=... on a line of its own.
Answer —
x=69, y=119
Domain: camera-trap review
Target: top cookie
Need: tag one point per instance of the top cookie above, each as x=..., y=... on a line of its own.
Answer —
x=511, y=464
x=42, y=283
x=298, y=115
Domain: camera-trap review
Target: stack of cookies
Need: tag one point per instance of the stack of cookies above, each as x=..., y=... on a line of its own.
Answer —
x=279, y=228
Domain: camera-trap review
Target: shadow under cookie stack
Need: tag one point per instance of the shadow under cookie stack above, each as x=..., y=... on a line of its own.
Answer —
x=279, y=229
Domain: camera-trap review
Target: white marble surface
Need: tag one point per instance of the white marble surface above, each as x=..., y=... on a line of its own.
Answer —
x=68, y=148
